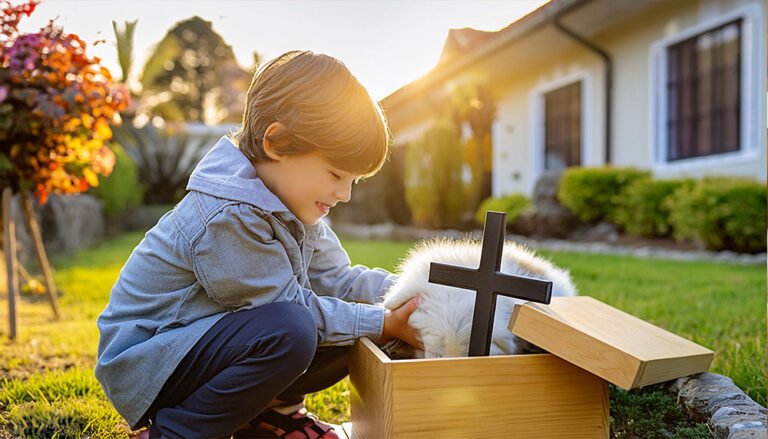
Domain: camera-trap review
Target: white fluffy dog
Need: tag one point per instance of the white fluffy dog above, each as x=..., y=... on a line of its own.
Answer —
x=444, y=318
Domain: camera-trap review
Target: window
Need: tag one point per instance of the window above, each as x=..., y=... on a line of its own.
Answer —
x=703, y=93
x=562, y=127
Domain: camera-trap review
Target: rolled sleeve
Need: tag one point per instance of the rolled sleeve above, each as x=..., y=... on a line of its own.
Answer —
x=340, y=322
x=331, y=274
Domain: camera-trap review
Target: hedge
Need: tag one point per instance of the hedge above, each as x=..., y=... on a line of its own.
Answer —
x=513, y=205
x=592, y=194
x=721, y=213
x=642, y=209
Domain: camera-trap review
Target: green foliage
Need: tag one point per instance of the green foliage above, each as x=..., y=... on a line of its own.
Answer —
x=473, y=105
x=191, y=71
x=649, y=413
x=722, y=213
x=592, y=194
x=58, y=404
x=642, y=209
x=165, y=158
x=513, y=205
x=433, y=186
x=124, y=40
x=332, y=404
x=121, y=190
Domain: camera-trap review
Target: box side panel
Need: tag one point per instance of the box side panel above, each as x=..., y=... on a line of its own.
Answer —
x=506, y=396
x=668, y=369
x=370, y=392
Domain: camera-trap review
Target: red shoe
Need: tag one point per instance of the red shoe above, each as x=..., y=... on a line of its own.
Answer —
x=298, y=425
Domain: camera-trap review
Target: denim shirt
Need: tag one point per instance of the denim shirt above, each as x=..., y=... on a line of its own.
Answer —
x=229, y=245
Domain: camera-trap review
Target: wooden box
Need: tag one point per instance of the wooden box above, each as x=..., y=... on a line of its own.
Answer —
x=537, y=395
x=521, y=396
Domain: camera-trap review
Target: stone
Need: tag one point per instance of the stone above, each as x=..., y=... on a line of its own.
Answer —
x=545, y=190
x=601, y=232
x=70, y=222
x=546, y=218
x=730, y=423
x=728, y=411
x=142, y=217
x=546, y=221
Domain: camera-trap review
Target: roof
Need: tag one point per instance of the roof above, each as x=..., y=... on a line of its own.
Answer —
x=463, y=41
x=465, y=47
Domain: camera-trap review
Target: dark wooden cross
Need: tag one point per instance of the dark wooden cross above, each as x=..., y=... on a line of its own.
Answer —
x=489, y=282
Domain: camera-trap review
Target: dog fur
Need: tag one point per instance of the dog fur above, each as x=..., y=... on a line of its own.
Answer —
x=444, y=317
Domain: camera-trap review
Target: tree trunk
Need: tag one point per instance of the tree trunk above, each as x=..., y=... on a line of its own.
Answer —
x=9, y=248
x=42, y=258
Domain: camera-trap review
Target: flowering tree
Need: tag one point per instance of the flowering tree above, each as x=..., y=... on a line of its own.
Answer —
x=56, y=107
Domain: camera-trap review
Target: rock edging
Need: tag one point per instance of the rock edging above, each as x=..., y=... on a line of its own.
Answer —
x=397, y=232
x=716, y=400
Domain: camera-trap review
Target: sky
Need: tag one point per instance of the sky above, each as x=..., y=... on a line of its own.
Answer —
x=386, y=44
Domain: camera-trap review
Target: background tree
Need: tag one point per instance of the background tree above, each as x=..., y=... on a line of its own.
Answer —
x=434, y=189
x=193, y=76
x=474, y=106
x=124, y=38
x=56, y=108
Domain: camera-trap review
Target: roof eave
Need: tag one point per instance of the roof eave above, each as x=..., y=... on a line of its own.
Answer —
x=512, y=33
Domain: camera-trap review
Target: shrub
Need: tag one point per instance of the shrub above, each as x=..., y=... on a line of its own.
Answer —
x=642, y=209
x=121, y=189
x=513, y=205
x=165, y=157
x=592, y=194
x=433, y=186
x=721, y=213
x=56, y=107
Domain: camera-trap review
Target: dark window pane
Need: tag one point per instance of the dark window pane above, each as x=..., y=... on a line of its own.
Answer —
x=562, y=127
x=703, y=90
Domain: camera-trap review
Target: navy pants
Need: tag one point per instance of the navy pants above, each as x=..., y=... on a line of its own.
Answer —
x=247, y=359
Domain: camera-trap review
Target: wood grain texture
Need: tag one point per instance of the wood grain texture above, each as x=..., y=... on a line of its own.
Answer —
x=608, y=342
x=370, y=396
x=502, y=396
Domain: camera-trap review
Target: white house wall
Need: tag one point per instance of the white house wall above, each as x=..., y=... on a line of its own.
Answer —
x=632, y=46
x=518, y=137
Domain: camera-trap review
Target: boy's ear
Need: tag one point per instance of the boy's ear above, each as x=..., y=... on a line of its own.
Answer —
x=275, y=138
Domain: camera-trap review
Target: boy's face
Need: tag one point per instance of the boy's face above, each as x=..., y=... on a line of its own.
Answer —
x=308, y=185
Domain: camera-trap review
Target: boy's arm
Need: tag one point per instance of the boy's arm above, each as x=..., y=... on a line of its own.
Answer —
x=241, y=265
x=330, y=273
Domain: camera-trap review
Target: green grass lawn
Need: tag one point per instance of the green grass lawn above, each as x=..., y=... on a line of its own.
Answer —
x=47, y=388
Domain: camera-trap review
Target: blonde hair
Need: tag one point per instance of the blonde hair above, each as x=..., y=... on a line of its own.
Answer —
x=324, y=108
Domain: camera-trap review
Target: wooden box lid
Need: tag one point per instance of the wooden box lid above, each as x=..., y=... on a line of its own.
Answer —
x=610, y=343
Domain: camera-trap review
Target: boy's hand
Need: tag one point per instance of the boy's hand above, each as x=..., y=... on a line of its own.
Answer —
x=396, y=325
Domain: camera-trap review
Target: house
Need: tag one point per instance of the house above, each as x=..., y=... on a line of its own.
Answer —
x=676, y=87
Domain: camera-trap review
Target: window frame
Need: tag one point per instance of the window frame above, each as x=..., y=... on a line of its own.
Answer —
x=536, y=122
x=579, y=87
x=749, y=104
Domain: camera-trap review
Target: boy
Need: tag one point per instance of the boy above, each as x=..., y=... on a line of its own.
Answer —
x=241, y=300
